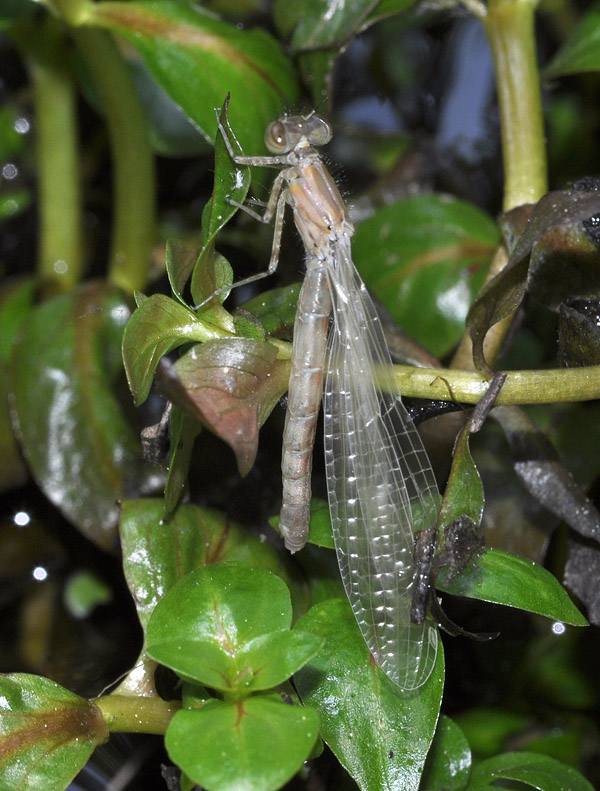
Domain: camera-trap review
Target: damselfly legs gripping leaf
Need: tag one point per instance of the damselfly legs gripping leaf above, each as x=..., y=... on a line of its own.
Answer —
x=380, y=483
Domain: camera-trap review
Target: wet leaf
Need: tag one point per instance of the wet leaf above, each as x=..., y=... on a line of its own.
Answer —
x=157, y=552
x=250, y=733
x=581, y=51
x=449, y=761
x=425, y=258
x=579, y=334
x=276, y=309
x=541, y=471
x=197, y=59
x=380, y=735
x=513, y=581
x=582, y=575
x=81, y=449
x=555, y=213
x=231, y=387
x=529, y=769
x=47, y=733
x=179, y=261
x=16, y=304
x=159, y=325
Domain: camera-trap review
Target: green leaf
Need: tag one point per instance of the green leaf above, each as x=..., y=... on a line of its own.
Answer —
x=157, y=552
x=84, y=592
x=488, y=728
x=47, y=733
x=158, y=326
x=449, y=761
x=425, y=258
x=179, y=262
x=16, y=304
x=226, y=603
x=198, y=59
x=511, y=580
x=530, y=769
x=83, y=452
x=262, y=663
x=380, y=735
x=14, y=202
x=581, y=51
x=276, y=309
x=315, y=24
x=256, y=744
x=183, y=430
x=464, y=491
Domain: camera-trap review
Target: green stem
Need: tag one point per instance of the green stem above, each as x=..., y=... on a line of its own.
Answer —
x=510, y=26
x=60, y=256
x=137, y=714
x=133, y=164
x=520, y=387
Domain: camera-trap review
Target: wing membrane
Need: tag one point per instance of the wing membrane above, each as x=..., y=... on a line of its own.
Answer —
x=380, y=483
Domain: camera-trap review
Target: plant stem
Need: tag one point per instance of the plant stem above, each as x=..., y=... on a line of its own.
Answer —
x=133, y=164
x=137, y=714
x=510, y=26
x=42, y=44
x=521, y=387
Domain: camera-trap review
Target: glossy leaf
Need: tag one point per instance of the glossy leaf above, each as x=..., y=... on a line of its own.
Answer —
x=158, y=552
x=425, y=258
x=449, y=761
x=464, y=491
x=226, y=603
x=581, y=51
x=231, y=387
x=158, y=326
x=543, y=474
x=387, y=8
x=315, y=24
x=319, y=531
x=276, y=309
x=530, y=769
x=179, y=262
x=507, y=579
x=262, y=663
x=380, y=735
x=261, y=741
x=80, y=447
x=16, y=304
x=502, y=295
x=198, y=59
x=47, y=733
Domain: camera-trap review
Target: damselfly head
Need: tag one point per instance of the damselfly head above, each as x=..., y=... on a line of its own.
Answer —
x=289, y=131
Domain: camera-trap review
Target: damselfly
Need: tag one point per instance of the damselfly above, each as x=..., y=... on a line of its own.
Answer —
x=380, y=483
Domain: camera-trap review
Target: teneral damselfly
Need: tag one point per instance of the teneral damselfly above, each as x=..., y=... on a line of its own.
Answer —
x=380, y=483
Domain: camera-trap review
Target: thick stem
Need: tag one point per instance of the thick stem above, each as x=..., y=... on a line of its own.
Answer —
x=137, y=715
x=133, y=164
x=520, y=387
x=510, y=26
x=42, y=44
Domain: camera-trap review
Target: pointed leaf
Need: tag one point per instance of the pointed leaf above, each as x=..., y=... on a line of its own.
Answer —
x=378, y=734
x=581, y=51
x=183, y=430
x=47, y=734
x=425, y=258
x=532, y=770
x=231, y=387
x=80, y=447
x=158, y=326
x=449, y=761
x=179, y=262
x=262, y=743
x=276, y=309
x=198, y=59
x=507, y=579
x=315, y=24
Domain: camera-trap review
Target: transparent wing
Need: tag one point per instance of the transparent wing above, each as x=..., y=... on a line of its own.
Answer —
x=380, y=483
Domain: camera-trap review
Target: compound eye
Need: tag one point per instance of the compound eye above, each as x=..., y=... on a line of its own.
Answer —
x=275, y=137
